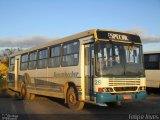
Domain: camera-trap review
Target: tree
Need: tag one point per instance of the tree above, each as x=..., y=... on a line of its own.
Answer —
x=9, y=51
x=4, y=64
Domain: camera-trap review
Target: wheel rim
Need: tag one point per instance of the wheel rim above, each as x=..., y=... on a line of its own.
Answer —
x=72, y=98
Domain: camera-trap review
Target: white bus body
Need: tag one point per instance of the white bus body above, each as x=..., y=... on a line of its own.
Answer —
x=152, y=68
x=96, y=66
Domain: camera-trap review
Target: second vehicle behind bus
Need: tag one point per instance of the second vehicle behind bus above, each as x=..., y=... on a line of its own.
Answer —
x=152, y=68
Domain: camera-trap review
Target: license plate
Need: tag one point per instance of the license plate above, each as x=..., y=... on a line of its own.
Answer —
x=127, y=97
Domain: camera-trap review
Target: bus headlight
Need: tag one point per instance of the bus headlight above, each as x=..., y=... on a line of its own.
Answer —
x=105, y=90
x=108, y=90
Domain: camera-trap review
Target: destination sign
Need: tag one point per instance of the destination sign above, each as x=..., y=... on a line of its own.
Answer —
x=118, y=36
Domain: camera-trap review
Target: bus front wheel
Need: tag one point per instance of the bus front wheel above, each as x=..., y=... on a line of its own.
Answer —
x=114, y=103
x=72, y=99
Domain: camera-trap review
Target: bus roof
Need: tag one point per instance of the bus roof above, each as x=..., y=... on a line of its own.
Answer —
x=151, y=52
x=68, y=38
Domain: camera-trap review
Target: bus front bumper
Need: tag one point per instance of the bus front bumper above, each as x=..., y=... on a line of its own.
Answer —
x=106, y=97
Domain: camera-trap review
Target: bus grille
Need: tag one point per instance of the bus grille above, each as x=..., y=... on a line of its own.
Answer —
x=121, y=89
x=124, y=82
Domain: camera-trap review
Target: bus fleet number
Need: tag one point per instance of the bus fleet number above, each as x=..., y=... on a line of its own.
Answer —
x=97, y=82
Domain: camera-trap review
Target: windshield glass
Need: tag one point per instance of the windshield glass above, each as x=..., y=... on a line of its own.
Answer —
x=118, y=59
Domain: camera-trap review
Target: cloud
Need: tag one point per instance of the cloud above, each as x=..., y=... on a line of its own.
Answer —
x=25, y=42
x=37, y=40
x=146, y=38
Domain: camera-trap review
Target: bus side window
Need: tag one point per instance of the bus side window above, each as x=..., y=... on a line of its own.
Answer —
x=70, y=53
x=55, y=55
x=12, y=61
x=42, y=58
x=24, y=62
x=151, y=61
x=32, y=60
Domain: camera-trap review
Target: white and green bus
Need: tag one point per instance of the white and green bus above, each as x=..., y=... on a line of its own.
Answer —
x=94, y=66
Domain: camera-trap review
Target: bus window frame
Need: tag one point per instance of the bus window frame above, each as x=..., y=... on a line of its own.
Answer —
x=50, y=57
x=32, y=60
x=46, y=48
x=62, y=55
x=10, y=64
x=148, y=62
x=24, y=62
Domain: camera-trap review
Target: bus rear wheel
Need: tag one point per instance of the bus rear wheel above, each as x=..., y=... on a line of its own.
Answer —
x=72, y=100
x=23, y=91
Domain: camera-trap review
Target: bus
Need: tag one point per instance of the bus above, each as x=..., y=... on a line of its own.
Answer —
x=152, y=68
x=95, y=66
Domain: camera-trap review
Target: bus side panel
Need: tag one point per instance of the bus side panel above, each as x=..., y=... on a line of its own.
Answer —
x=50, y=81
x=153, y=78
x=58, y=77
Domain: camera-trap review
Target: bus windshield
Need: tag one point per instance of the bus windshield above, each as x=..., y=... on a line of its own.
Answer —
x=118, y=59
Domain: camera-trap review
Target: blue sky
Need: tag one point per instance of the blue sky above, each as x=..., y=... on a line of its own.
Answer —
x=21, y=19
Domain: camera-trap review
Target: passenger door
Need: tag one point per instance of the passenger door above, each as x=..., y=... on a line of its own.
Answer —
x=89, y=70
x=16, y=73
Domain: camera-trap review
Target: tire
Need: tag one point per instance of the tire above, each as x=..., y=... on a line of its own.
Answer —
x=23, y=92
x=72, y=100
x=27, y=78
x=113, y=104
x=24, y=95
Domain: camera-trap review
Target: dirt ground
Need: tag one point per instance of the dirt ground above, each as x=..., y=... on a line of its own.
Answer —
x=45, y=108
